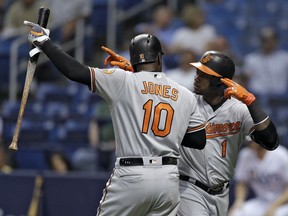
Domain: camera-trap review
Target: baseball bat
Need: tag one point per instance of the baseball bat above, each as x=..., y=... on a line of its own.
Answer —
x=43, y=16
x=33, y=208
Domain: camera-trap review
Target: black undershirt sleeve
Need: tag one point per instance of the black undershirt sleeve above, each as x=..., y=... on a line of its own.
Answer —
x=67, y=65
x=196, y=140
x=256, y=112
x=267, y=138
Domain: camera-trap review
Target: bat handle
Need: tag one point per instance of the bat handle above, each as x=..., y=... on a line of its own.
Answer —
x=43, y=16
x=13, y=145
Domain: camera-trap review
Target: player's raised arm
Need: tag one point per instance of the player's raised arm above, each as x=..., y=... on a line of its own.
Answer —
x=265, y=132
x=67, y=65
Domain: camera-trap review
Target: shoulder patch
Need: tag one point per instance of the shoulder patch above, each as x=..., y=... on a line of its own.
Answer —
x=109, y=71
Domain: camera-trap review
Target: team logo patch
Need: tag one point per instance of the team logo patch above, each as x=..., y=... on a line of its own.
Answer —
x=159, y=76
x=206, y=58
x=109, y=71
x=142, y=57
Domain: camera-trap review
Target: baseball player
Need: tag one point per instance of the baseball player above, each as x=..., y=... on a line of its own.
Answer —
x=205, y=174
x=267, y=174
x=151, y=114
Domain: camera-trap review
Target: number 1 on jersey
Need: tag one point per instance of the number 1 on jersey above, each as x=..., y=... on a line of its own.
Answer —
x=158, y=110
x=224, y=148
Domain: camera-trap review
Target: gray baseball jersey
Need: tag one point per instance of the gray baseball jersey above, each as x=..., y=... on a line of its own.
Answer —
x=226, y=129
x=150, y=115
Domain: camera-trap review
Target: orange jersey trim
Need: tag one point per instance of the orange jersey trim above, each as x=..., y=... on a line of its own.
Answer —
x=220, y=135
x=105, y=192
x=93, y=85
x=192, y=129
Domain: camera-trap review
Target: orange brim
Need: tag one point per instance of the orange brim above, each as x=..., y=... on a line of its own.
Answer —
x=205, y=69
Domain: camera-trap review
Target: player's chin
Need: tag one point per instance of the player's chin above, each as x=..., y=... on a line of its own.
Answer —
x=197, y=90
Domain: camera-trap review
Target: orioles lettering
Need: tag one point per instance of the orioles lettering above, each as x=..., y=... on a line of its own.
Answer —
x=232, y=127
x=160, y=90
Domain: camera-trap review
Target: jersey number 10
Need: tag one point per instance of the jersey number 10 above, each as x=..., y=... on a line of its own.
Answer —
x=158, y=111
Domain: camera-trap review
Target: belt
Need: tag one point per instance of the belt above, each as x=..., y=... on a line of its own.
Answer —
x=148, y=161
x=213, y=191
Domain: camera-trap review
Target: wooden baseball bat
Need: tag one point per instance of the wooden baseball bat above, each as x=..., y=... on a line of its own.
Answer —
x=43, y=16
x=34, y=205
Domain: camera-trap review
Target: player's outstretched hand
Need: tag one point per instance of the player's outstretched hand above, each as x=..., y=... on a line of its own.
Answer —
x=116, y=60
x=238, y=91
x=37, y=35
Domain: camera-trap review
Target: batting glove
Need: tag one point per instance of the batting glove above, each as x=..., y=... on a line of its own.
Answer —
x=37, y=36
x=238, y=91
x=116, y=60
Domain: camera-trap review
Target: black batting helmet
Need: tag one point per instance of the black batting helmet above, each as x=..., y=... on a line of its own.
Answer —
x=216, y=64
x=144, y=48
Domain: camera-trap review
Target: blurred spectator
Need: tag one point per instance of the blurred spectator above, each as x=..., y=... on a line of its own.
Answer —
x=4, y=164
x=164, y=23
x=1, y=129
x=267, y=68
x=99, y=154
x=185, y=73
x=2, y=14
x=221, y=43
x=19, y=11
x=196, y=34
x=85, y=158
x=266, y=172
x=106, y=150
x=68, y=14
x=215, y=1
x=59, y=162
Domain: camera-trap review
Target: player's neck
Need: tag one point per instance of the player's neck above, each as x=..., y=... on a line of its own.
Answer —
x=261, y=154
x=151, y=67
x=214, y=102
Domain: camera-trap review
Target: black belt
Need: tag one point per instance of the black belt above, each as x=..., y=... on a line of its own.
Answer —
x=139, y=161
x=212, y=191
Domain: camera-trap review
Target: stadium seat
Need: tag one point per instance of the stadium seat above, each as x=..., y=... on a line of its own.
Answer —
x=30, y=159
x=49, y=92
x=98, y=19
x=277, y=106
x=75, y=137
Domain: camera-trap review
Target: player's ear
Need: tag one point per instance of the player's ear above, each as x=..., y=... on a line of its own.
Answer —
x=159, y=58
x=159, y=62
